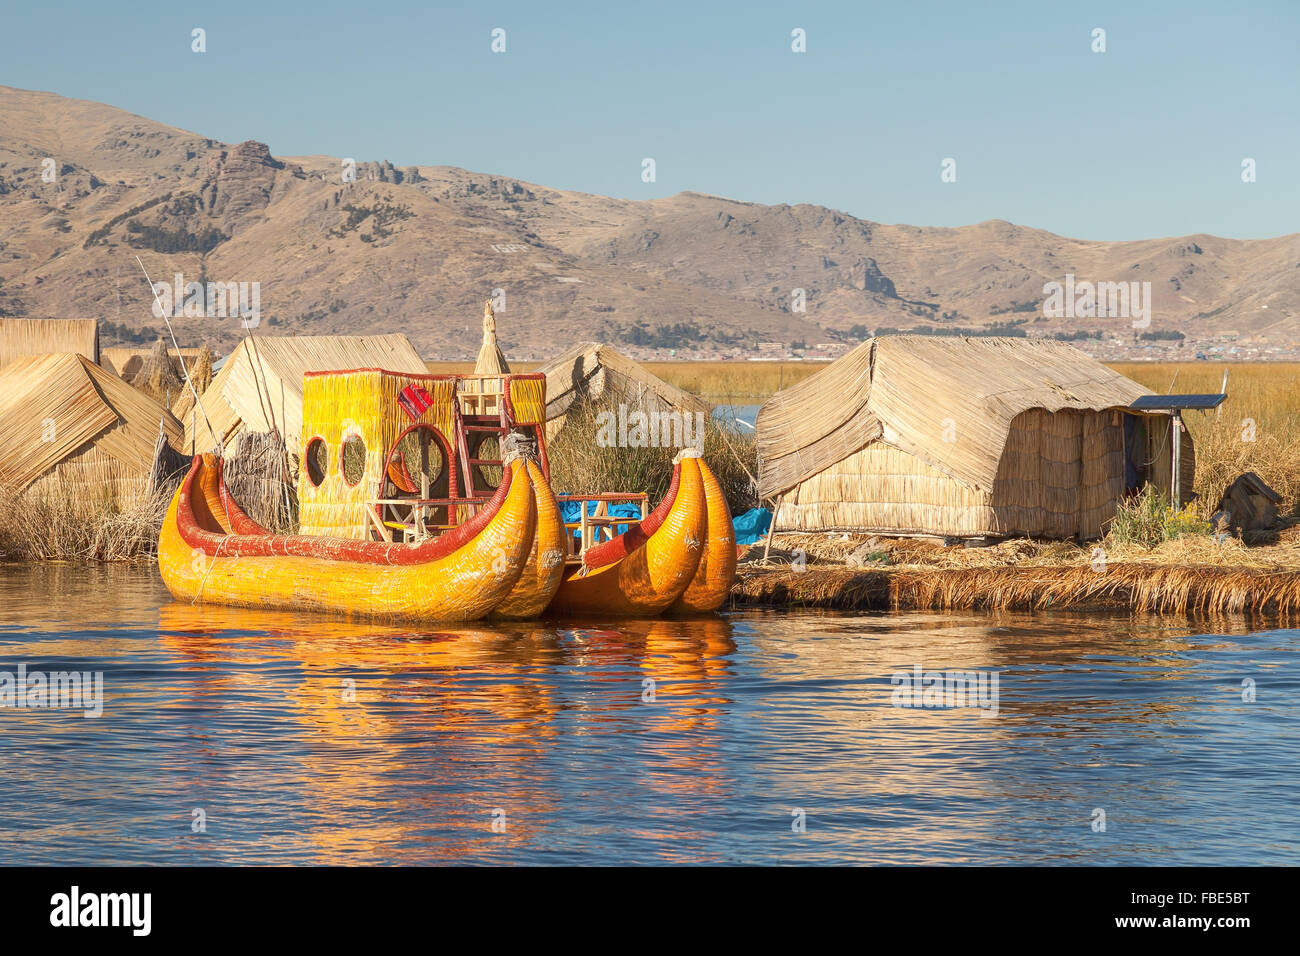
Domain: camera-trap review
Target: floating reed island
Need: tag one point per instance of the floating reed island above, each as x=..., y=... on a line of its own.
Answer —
x=877, y=468
x=1194, y=575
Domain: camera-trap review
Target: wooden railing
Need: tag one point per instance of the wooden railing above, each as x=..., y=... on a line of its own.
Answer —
x=419, y=527
x=600, y=525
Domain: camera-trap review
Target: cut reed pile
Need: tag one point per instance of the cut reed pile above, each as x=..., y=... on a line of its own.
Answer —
x=261, y=478
x=1139, y=587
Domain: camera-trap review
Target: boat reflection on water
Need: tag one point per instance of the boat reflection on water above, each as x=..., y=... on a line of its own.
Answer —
x=461, y=718
x=307, y=739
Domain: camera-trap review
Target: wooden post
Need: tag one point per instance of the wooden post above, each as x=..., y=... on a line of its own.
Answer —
x=771, y=530
x=424, y=476
x=1176, y=485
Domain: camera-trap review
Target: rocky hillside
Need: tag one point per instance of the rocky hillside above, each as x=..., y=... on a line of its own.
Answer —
x=85, y=188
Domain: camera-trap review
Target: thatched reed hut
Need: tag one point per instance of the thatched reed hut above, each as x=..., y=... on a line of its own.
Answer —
x=591, y=370
x=961, y=437
x=74, y=432
x=19, y=337
x=260, y=386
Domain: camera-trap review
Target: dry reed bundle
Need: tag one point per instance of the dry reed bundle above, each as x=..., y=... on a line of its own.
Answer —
x=491, y=360
x=260, y=478
x=158, y=377
x=1189, y=591
x=200, y=375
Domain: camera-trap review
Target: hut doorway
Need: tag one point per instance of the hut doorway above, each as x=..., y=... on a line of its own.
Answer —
x=1137, y=454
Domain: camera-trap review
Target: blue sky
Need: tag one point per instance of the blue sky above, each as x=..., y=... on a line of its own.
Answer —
x=1144, y=140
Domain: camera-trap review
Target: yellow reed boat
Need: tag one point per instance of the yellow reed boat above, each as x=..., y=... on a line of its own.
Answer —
x=426, y=498
x=210, y=551
x=680, y=557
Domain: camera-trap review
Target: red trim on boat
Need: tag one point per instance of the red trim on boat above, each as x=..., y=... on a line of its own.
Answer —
x=330, y=549
x=635, y=537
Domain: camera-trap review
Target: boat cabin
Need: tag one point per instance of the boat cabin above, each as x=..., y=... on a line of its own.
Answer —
x=396, y=456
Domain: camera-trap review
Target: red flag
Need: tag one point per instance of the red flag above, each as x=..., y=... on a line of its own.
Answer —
x=415, y=401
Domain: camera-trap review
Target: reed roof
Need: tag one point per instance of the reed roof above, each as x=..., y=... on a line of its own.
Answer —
x=594, y=369
x=19, y=337
x=949, y=401
x=53, y=405
x=259, y=386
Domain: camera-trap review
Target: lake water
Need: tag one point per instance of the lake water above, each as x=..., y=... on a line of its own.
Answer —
x=304, y=740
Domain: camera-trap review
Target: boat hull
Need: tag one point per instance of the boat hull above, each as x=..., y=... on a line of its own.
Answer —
x=650, y=568
x=710, y=586
x=460, y=576
x=544, y=568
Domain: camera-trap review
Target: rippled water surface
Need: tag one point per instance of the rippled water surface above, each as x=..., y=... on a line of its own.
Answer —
x=307, y=740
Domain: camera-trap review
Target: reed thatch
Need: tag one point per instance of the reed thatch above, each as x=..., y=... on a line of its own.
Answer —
x=954, y=436
x=69, y=428
x=127, y=361
x=358, y=410
x=260, y=386
x=491, y=360
x=19, y=337
x=260, y=476
x=594, y=371
x=199, y=371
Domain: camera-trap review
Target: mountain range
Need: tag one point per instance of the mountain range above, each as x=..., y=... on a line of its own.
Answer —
x=85, y=188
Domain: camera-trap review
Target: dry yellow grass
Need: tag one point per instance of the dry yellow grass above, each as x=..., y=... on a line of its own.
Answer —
x=730, y=383
x=734, y=383
x=1257, y=429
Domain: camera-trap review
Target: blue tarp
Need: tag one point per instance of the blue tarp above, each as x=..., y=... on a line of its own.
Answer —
x=571, y=515
x=752, y=525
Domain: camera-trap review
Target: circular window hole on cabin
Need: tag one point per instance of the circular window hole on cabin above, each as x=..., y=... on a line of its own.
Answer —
x=353, y=460
x=487, y=477
x=317, y=459
x=415, y=464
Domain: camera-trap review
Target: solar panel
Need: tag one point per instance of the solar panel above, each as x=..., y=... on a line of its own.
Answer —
x=1151, y=403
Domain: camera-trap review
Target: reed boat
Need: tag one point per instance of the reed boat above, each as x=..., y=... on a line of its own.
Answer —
x=427, y=498
x=681, y=557
x=421, y=499
x=210, y=551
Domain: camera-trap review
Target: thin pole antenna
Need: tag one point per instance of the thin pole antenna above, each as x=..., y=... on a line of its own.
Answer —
x=188, y=381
